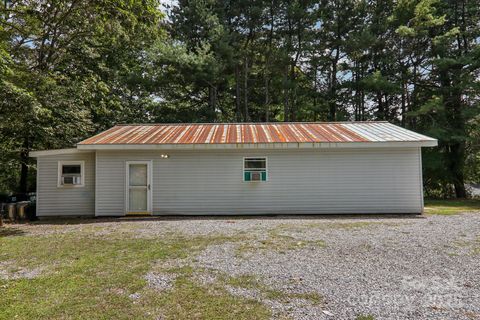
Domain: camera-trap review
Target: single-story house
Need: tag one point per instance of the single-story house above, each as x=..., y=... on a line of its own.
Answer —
x=235, y=169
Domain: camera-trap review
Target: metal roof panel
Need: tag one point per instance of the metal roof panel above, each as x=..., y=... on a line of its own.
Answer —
x=254, y=133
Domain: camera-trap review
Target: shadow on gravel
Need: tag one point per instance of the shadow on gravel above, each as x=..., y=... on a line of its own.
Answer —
x=92, y=220
x=10, y=232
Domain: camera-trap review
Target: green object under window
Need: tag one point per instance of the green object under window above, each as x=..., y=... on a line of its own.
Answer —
x=255, y=169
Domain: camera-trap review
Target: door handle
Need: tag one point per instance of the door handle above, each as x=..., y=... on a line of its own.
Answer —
x=148, y=186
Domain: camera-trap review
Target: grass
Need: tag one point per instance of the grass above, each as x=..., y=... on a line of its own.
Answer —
x=90, y=271
x=451, y=207
x=253, y=283
x=88, y=276
x=192, y=301
x=344, y=225
x=472, y=245
x=476, y=247
x=278, y=242
x=365, y=317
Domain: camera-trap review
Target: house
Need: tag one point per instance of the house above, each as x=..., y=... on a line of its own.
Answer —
x=241, y=168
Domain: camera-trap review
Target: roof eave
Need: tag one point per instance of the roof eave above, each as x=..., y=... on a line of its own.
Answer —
x=55, y=152
x=290, y=145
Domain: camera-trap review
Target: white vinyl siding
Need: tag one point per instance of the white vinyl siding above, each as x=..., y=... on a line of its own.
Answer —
x=383, y=180
x=55, y=200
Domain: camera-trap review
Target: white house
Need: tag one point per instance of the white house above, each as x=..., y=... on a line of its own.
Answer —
x=228, y=169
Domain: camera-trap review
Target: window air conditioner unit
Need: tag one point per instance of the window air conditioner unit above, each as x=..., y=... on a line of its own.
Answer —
x=71, y=180
x=256, y=176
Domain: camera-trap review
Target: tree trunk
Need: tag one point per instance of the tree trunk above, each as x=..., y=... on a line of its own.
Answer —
x=356, y=78
x=386, y=107
x=212, y=101
x=456, y=157
x=267, y=62
x=293, y=96
x=404, y=101
x=332, y=114
x=238, y=102
x=315, y=113
x=245, y=90
x=267, y=97
x=413, y=97
x=455, y=147
x=23, y=187
x=332, y=108
x=363, y=105
x=286, y=108
x=381, y=111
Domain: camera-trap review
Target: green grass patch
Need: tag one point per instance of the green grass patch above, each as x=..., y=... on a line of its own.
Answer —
x=88, y=276
x=190, y=300
x=365, y=317
x=451, y=207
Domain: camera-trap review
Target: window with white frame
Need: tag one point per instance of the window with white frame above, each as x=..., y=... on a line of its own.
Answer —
x=255, y=169
x=71, y=173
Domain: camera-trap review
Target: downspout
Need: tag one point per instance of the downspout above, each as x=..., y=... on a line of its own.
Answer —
x=420, y=174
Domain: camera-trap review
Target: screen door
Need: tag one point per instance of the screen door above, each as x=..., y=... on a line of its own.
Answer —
x=138, y=187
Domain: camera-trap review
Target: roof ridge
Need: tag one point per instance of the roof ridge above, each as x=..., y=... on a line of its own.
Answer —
x=244, y=123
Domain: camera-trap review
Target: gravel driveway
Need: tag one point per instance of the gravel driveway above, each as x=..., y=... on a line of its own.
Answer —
x=390, y=267
x=386, y=268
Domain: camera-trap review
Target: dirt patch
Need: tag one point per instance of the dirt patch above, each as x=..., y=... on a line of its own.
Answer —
x=10, y=271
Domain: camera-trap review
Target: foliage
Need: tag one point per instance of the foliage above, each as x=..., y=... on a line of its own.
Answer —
x=414, y=63
x=74, y=68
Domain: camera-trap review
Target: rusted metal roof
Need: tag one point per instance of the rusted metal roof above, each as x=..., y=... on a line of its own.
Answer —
x=254, y=133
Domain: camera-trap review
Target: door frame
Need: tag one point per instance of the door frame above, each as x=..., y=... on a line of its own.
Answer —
x=149, y=186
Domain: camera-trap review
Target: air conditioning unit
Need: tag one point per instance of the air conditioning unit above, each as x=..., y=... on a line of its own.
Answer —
x=71, y=180
x=256, y=176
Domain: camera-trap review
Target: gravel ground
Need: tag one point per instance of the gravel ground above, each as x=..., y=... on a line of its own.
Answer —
x=159, y=281
x=392, y=267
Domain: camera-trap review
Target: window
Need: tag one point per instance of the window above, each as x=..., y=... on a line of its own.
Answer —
x=255, y=169
x=71, y=173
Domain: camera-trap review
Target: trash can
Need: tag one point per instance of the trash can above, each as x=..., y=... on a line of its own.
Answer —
x=32, y=211
x=3, y=208
x=11, y=211
x=22, y=209
x=32, y=206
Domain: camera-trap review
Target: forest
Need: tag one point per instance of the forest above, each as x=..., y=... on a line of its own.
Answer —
x=69, y=69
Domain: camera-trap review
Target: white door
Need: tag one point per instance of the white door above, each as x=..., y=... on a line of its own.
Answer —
x=139, y=190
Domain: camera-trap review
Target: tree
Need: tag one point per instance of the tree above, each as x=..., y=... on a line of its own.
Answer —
x=76, y=67
x=450, y=101
x=73, y=64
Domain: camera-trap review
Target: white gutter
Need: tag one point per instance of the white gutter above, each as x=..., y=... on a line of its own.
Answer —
x=55, y=152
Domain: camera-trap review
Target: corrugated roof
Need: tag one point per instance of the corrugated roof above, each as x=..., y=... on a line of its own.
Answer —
x=254, y=133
